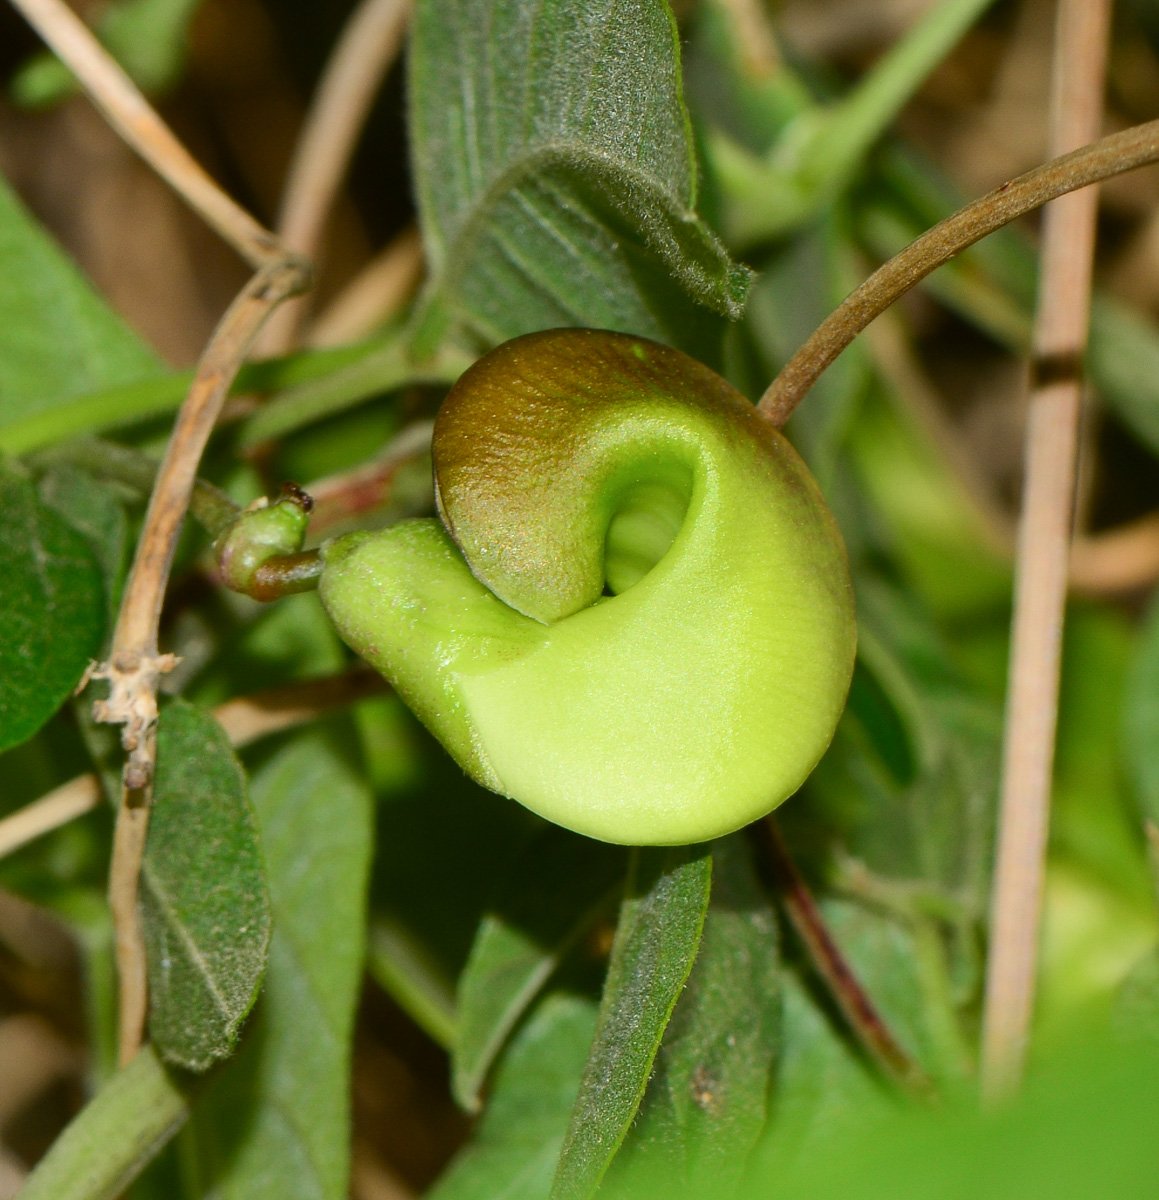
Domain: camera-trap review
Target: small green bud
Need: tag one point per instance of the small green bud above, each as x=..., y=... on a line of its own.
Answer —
x=258, y=554
x=636, y=616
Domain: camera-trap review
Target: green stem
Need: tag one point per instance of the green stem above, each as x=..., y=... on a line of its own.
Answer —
x=115, y=1136
x=1101, y=160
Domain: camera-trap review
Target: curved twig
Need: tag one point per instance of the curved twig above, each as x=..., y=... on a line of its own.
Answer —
x=135, y=666
x=1135, y=147
x=866, y=1023
x=368, y=44
x=131, y=115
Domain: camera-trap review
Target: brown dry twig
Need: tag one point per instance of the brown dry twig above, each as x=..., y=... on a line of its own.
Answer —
x=244, y=719
x=135, y=666
x=368, y=44
x=1112, y=155
x=825, y=957
x=374, y=295
x=1044, y=535
x=131, y=115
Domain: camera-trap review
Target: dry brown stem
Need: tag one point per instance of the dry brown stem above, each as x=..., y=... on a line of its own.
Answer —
x=367, y=46
x=375, y=294
x=244, y=719
x=1041, y=564
x=135, y=666
x=1134, y=147
x=836, y=974
x=131, y=115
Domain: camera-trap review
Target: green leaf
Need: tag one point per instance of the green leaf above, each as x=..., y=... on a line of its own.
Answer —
x=114, y=1136
x=707, y=1100
x=94, y=509
x=203, y=892
x=564, y=882
x=659, y=931
x=821, y=148
x=388, y=369
x=111, y=405
x=52, y=607
x=555, y=171
x=516, y=1146
x=58, y=339
x=1084, y=1126
x=275, y=1121
x=1141, y=718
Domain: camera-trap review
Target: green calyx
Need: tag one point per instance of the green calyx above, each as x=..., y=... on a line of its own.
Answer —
x=636, y=617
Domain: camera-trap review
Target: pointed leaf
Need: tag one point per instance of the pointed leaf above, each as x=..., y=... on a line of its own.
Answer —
x=275, y=1122
x=203, y=892
x=564, y=881
x=516, y=1146
x=58, y=338
x=52, y=608
x=555, y=171
x=661, y=921
x=707, y=1100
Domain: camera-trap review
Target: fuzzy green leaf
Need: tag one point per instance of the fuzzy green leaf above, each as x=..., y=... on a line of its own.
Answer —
x=660, y=926
x=515, y=1148
x=555, y=172
x=203, y=892
x=58, y=339
x=275, y=1122
x=52, y=608
x=707, y=1100
x=94, y=509
x=563, y=883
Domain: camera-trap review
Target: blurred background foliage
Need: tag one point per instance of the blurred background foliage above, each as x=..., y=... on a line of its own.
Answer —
x=829, y=133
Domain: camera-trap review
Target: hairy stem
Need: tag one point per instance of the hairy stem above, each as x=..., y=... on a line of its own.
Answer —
x=1044, y=533
x=131, y=115
x=865, y=1022
x=1134, y=147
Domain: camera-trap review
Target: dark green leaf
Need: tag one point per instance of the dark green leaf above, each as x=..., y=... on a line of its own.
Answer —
x=555, y=172
x=203, y=892
x=57, y=337
x=114, y=1137
x=659, y=931
x=563, y=882
x=706, y=1102
x=52, y=607
x=275, y=1122
x=95, y=511
x=516, y=1147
